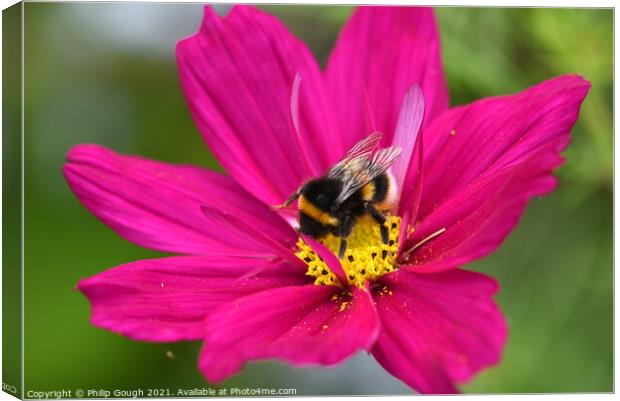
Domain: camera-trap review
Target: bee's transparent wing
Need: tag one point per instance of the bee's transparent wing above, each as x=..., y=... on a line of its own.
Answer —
x=366, y=170
x=365, y=146
x=359, y=153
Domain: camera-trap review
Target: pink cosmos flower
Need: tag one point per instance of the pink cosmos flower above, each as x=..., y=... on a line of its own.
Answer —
x=246, y=282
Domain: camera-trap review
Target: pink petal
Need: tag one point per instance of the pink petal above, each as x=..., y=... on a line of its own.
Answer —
x=237, y=74
x=157, y=205
x=301, y=325
x=483, y=162
x=238, y=230
x=438, y=329
x=167, y=299
x=479, y=218
x=328, y=257
x=407, y=128
x=408, y=169
x=385, y=50
x=469, y=141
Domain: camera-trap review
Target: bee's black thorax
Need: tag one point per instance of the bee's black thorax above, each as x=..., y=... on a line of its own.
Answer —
x=322, y=192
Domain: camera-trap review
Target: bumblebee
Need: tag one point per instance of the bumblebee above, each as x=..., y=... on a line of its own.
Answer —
x=359, y=184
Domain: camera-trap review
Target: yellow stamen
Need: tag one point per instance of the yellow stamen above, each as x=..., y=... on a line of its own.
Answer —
x=366, y=257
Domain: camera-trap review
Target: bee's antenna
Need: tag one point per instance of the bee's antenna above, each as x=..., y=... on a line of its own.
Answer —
x=290, y=200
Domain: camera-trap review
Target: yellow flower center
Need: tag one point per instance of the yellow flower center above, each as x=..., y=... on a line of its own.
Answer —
x=366, y=257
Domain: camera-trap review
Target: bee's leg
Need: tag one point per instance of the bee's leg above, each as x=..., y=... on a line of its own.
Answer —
x=379, y=218
x=345, y=230
x=343, y=248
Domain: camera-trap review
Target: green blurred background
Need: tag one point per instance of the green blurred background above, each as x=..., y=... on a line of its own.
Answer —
x=106, y=73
